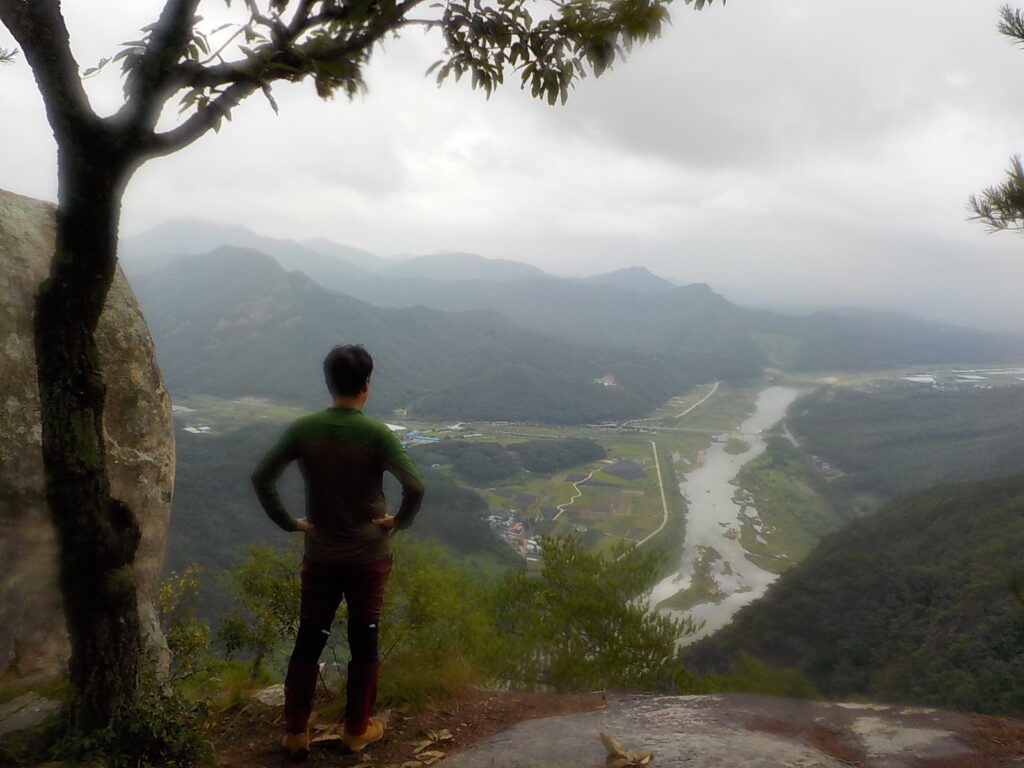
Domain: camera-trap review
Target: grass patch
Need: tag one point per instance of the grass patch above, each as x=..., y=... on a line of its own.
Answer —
x=725, y=411
x=223, y=414
x=786, y=513
x=669, y=412
x=734, y=446
x=776, y=564
x=225, y=683
x=703, y=587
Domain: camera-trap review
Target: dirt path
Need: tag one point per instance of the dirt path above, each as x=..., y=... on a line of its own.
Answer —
x=678, y=415
x=699, y=402
x=661, y=487
x=249, y=736
x=576, y=487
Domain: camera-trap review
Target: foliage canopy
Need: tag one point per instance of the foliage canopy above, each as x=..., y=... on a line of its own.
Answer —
x=1001, y=206
x=585, y=622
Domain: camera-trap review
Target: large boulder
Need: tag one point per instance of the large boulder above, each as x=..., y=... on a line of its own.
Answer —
x=140, y=449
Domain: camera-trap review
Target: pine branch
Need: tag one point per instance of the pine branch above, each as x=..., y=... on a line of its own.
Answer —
x=1001, y=207
x=1012, y=23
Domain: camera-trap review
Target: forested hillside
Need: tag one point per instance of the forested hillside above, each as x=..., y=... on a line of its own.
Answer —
x=630, y=309
x=233, y=323
x=890, y=439
x=911, y=604
x=215, y=513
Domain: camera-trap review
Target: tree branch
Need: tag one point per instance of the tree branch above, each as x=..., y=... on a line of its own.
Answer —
x=150, y=82
x=39, y=28
x=159, y=144
x=300, y=21
x=373, y=33
x=1002, y=206
x=198, y=76
x=1012, y=23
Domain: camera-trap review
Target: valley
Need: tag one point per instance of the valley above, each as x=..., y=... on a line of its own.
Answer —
x=624, y=412
x=715, y=478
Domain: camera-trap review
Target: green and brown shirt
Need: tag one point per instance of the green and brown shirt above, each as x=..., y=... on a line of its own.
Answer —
x=342, y=454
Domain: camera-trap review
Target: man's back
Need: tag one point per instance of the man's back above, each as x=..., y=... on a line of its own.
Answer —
x=343, y=455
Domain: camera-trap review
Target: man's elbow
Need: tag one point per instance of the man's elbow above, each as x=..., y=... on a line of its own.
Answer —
x=412, y=498
x=416, y=494
x=259, y=484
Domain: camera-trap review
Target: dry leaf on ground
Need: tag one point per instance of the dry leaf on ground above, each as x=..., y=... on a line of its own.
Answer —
x=620, y=758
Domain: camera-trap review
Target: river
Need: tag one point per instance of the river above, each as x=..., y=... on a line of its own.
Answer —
x=712, y=514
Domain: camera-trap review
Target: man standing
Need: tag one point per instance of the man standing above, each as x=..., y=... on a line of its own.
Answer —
x=343, y=455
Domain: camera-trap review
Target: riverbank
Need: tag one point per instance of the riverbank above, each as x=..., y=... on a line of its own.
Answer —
x=714, y=521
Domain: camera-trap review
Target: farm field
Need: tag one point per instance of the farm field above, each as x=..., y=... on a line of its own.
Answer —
x=619, y=498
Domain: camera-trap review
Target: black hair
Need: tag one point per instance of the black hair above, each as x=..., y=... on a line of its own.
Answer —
x=346, y=369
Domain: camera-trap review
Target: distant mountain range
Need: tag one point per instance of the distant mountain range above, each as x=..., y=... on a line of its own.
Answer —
x=233, y=322
x=459, y=335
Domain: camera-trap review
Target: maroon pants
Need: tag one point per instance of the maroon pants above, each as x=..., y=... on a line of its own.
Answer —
x=324, y=586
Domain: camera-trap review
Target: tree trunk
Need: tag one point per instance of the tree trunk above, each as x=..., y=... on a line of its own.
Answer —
x=97, y=535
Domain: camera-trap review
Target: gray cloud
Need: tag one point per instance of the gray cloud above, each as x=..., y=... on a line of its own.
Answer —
x=804, y=152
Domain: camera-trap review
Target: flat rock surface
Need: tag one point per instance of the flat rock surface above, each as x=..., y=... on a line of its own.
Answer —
x=748, y=731
x=25, y=711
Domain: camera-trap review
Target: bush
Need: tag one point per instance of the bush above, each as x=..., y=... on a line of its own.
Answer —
x=164, y=728
x=585, y=623
x=187, y=637
x=436, y=633
x=752, y=676
x=266, y=614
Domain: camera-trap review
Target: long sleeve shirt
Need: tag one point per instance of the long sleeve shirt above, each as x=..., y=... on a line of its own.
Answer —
x=342, y=454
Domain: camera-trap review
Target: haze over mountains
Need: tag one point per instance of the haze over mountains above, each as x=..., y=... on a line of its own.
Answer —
x=234, y=323
x=909, y=604
x=462, y=336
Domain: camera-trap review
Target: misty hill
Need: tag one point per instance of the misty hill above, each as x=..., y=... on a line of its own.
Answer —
x=320, y=258
x=234, y=323
x=354, y=256
x=449, y=267
x=627, y=309
x=864, y=340
x=910, y=604
x=690, y=320
x=637, y=279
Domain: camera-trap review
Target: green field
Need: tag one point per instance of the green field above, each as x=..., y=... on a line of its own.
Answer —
x=222, y=414
x=608, y=509
x=786, y=509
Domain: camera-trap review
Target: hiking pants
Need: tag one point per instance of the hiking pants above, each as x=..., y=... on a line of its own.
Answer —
x=324, y=586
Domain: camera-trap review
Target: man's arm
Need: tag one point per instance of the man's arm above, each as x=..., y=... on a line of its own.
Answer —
x=398, y=463
x=264, y=480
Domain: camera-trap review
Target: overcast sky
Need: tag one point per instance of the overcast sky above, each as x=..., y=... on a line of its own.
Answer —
x=796, y=152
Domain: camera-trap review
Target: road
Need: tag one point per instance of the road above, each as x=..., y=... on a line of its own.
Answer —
x=678, y=415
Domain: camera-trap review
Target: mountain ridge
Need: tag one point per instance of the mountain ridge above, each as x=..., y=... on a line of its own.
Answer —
x=617, y=311
x=234, y=323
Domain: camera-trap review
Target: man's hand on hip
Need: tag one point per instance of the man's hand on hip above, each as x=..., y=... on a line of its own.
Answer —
x=387, y=522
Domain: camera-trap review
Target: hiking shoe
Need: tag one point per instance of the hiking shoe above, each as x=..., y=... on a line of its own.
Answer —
x=297, y=745
x=356, y=742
